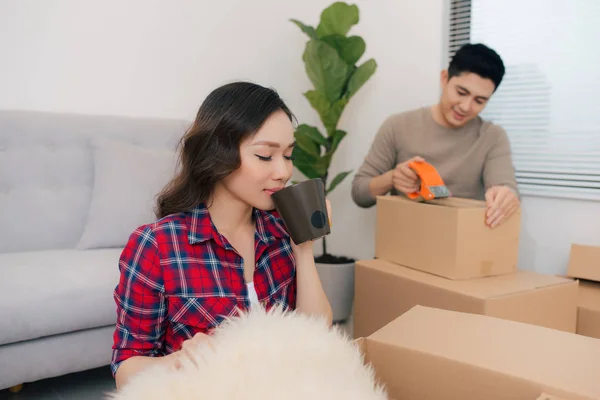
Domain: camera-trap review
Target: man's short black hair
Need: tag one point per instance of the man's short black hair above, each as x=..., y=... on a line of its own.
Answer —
x=478, y=59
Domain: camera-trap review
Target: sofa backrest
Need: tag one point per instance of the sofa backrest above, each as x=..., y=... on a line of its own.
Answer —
x=46, y=171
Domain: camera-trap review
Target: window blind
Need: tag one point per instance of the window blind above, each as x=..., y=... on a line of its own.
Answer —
x=547, y=101
x=459, y=26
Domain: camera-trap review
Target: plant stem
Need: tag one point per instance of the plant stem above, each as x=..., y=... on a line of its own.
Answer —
x=324, y=242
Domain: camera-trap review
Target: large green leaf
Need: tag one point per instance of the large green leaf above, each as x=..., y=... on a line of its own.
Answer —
x=309, y=30
x=311, y=166
x=319, y=102
x=337, y=180
x=360, y=76
x=337, y=19
x=336, y=140
x=325, y=68
x=305, y=163
x=330, y=114
x=306, y=133
x=333, y=116
x=307, y=152
x=350, y=48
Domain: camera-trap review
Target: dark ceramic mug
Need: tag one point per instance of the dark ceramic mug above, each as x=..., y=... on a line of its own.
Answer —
x=303, y=209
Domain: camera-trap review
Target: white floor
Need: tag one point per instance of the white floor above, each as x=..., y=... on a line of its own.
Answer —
x=88, y=385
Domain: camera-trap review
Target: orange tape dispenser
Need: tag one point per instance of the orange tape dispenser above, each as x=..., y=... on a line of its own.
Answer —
x=432, y=185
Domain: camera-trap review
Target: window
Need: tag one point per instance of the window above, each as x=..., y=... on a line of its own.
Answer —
x=548, y=101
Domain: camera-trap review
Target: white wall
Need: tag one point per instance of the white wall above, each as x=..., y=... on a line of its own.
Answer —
x=159, y=58
x=550, y=225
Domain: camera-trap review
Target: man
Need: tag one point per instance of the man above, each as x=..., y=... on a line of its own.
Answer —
x=473, y=156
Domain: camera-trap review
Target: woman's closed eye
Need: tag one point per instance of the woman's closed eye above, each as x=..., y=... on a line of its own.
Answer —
x=269, y=158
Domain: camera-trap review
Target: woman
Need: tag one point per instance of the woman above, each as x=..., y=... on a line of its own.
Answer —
x=217, y=244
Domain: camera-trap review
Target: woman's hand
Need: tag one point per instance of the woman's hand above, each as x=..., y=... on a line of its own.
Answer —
x=306, y=248
x=310, y=296
x=188, y=349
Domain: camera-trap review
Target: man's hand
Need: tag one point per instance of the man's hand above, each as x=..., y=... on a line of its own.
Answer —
x=404, y=179
x=501, y=203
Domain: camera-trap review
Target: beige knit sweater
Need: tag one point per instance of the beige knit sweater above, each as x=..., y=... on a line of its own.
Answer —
x=469, y=159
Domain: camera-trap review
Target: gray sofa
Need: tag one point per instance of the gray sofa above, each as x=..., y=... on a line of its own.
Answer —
x=72, y=187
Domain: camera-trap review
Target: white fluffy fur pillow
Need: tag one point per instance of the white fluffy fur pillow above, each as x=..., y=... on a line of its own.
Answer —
x=265, y=355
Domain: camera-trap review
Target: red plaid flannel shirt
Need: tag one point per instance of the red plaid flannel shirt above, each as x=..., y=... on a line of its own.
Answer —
x=180, y=276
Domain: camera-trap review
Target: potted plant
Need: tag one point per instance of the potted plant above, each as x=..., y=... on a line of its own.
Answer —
x=330, y=58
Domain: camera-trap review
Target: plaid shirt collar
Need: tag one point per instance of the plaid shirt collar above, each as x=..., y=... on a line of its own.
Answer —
x=269, y=226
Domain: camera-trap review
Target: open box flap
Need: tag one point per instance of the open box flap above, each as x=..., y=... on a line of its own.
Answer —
x=584, y=262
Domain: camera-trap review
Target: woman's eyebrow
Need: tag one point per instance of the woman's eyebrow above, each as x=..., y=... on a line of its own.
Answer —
x=271, y=144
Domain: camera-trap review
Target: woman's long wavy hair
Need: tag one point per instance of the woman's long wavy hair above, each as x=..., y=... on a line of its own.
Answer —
x=210, y=149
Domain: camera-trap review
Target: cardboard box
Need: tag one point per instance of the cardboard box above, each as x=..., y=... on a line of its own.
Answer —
x=430, y=353
x=588, y=312
x=584, y=262
x=446, y=237
x=384, y=291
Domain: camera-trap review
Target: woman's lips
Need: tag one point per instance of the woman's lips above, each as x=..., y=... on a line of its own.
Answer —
x=271, y=191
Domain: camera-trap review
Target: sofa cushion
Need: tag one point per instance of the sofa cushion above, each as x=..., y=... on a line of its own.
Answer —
x=127, y=179
x=56, y=291
x=47, y=171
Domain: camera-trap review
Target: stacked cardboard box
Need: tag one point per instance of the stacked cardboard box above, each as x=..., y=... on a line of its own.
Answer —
x=430, y=353
x=441, y=254
x=584, y=264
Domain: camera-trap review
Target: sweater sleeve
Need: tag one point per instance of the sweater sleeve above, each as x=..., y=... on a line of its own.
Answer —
x=380, y=159
x=498, y=168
